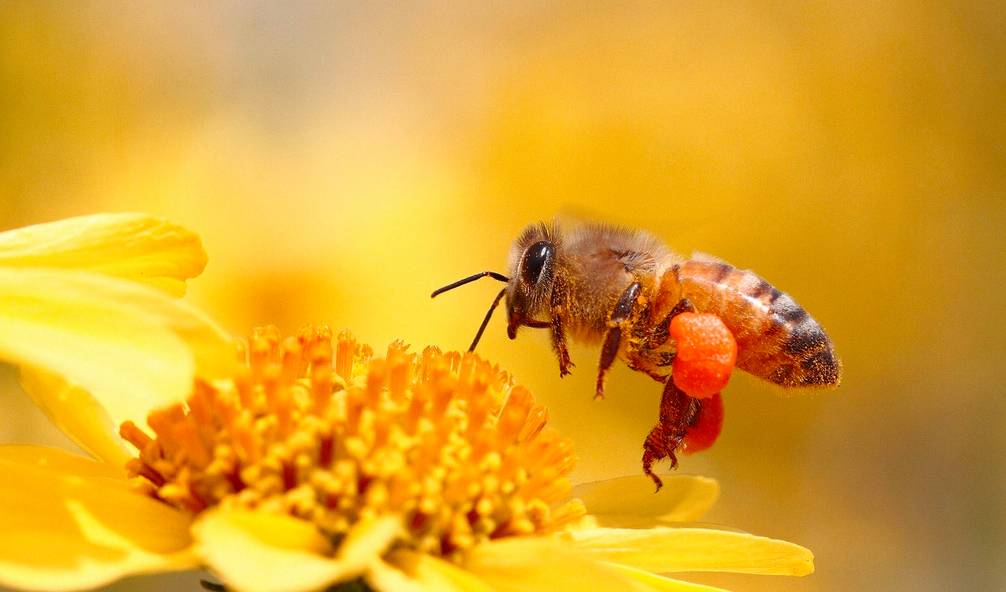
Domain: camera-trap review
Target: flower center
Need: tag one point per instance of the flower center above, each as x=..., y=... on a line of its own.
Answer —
x=445, y=441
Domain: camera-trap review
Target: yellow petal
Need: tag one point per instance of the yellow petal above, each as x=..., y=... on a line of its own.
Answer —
x=664, y=549
x=131, y=346
x=255, y=551
x=533, y=564
x=660, y=583
x=137, y=247
x=369, y=540
x=71, y=523
x=436, y=574
x=66, y=464
x=630, y=501
x=74, y=411
x=385, y=578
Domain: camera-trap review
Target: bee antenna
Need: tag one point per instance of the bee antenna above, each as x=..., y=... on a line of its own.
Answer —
x=496, y=276
x=485, y=321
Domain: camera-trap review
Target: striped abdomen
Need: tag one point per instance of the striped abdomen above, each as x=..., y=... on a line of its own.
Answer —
x=776, y=338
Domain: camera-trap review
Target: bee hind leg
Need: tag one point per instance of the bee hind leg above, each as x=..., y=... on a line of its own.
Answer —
x=613, y=337
x=678, y=411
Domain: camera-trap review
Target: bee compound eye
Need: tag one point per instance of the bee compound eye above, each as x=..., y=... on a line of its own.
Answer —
x=535, y=258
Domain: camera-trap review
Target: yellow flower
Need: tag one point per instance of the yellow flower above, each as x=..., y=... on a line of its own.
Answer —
x=86, y=301
x=315, y=463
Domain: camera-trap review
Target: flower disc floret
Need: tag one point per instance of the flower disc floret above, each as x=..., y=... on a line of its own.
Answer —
x=328, y=433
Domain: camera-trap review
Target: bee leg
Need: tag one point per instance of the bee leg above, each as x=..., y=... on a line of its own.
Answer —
x=559, y=335
x=683, y=305
x=561, y=350
x=677, y=412
x=659, y=333
x=613, y=338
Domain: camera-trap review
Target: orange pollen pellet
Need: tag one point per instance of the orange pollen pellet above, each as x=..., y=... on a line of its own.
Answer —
x=706, y=353
x=703, y=433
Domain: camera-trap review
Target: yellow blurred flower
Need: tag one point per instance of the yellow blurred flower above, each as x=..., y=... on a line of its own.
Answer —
x=88, y=300
x=312, y=463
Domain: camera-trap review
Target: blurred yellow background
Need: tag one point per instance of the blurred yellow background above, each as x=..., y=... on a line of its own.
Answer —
x=341, y=161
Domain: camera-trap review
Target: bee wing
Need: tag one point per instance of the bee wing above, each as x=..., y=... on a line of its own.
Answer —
x=707, y=258
x=574, y=215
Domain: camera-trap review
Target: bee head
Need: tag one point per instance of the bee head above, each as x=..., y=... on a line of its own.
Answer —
x=532, y=270
x=532, y=262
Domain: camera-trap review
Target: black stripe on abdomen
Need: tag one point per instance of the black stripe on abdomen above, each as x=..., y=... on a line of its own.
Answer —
x=805, y=337
x=788, y=310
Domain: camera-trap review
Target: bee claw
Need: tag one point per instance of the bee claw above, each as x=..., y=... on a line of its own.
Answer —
x=648, y=458
x=659, y=484
x=662, y=442
x=565, y=366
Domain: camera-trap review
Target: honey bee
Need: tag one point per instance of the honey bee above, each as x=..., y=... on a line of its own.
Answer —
x=620, y=288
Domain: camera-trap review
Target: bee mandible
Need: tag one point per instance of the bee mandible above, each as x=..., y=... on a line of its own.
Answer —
x=621, y=288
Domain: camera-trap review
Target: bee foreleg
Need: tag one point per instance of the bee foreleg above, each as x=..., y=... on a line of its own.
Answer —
x=559, y=334
x=613, y=338
x=677, y=412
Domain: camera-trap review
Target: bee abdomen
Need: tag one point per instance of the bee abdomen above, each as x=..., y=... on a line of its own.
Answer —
x=776, y=338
